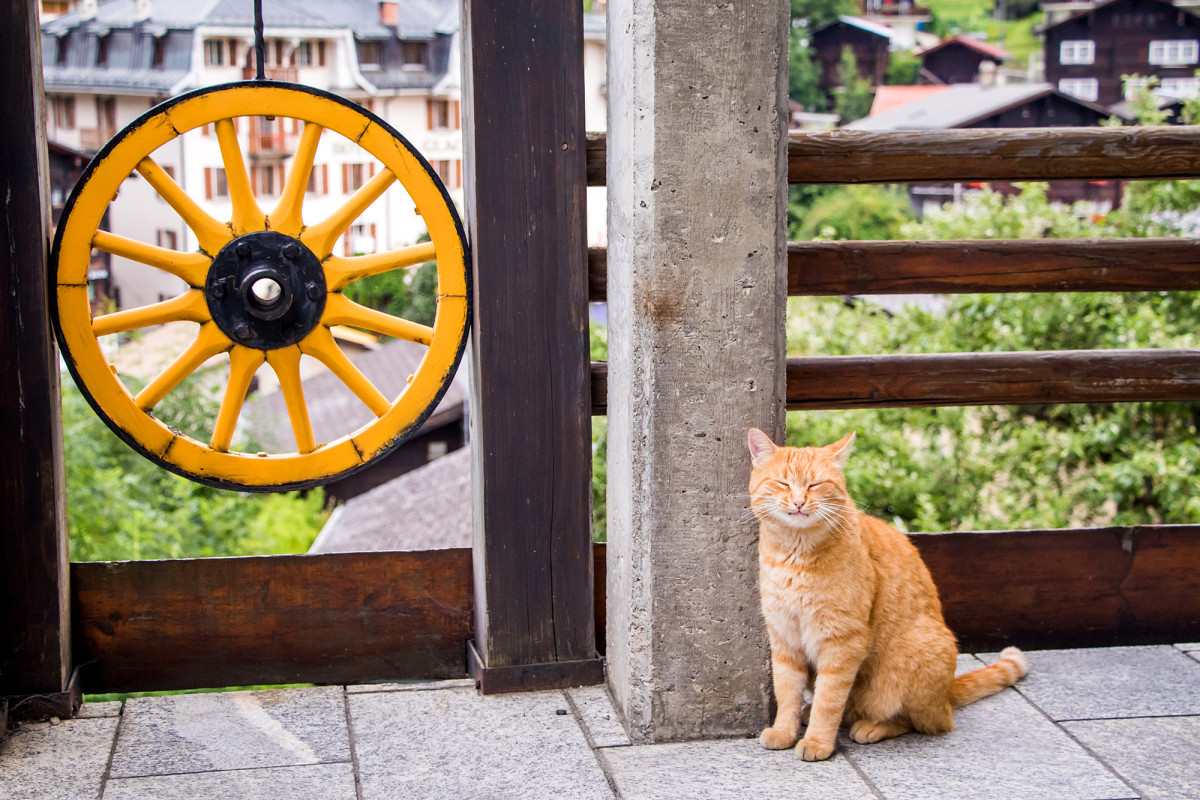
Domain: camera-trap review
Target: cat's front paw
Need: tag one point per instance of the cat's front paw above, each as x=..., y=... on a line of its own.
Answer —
x=777, y=739
x=813, y=750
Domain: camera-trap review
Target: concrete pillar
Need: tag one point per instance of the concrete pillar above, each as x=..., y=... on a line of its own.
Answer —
x=697, y=194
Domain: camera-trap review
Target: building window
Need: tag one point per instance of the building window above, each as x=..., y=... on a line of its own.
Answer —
x=1080, y=88
x=63, y=106
x=439, y=114
x=106, y=116
x=352, y=177
x=263, y=179
x=414, y=53
x=1184, y=88
x=303, y=55
x=370, y=55
x=1174, y=52
x=1077, y=52
x=167, y=239
x=1133, y=85
x=214, y=53
x=61, y=50
x=159, y=55
x=443, y=169
x=318, y=180
x=216, y=185
x=102, y=43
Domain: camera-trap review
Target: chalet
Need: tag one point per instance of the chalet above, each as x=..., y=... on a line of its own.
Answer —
x=972, y=105
x=1087, y=55
x=868, y=41
x=958, y=60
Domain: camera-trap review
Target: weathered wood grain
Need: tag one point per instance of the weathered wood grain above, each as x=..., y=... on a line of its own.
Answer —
x=331, y=618
x=34, y=616
x=959, y=267
x=531, y=428
x=1068, y=588
x=1023, y=378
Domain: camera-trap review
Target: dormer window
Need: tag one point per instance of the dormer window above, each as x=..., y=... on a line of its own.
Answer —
x=1174, y=52
x=415, y=53
x=214, y=53
x=60, y=51
x=370, y=55
x=102, y=43
x=1077, y=52
x=159, y=55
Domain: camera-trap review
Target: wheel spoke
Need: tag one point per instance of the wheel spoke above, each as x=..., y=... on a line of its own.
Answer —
x=192, y=268
x=341, y=310
x=211, y=234
x=340, y=271
x=243, y=363
x=187, y=307
x=247, y=216
x=286, y=218
x=208, y=343
x=320, y=344
x=286, y=363
x=321, y=237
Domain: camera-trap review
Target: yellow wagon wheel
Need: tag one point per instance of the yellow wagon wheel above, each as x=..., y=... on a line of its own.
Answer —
x=264, y=286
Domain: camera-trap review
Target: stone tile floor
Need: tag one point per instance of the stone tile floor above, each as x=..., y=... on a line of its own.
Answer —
x=1101, y=724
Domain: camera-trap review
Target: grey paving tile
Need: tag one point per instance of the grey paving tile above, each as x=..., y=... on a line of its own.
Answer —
x=56, y=762
x=1001, y=748
x=1156, y=755
x=460, y=744
x=110, y=708
x=601, y=720
x=1111, y=682
x=410, y=686
x=732, y=769
x=315, y=782
x=231, y=730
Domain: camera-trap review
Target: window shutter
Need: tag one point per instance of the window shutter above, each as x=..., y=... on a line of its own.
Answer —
x=373, y=233
x=321, y=54
x=254, y=180
x=324, y=187
x=208, y=183
x=371, y=170
x=457, y=115
x=429, y=112
x=345, y=179
x=458, y=173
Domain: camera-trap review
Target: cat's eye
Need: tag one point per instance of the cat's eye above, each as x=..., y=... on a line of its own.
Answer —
x=815, y=484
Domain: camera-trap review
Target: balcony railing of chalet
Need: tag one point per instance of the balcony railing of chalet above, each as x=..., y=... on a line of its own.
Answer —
x=288, y=74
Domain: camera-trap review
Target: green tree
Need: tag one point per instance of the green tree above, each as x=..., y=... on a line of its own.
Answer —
x=408, y=293
x=854, y=212
x=853, y=98
x=804, y=73
x=903, y=68
x=120, y=506
x=812, y=14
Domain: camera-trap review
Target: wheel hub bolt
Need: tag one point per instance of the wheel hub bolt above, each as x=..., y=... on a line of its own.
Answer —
x=243, y=249
x=290, y=250
x=218, y=289
x=313, y=291
x=242, y=331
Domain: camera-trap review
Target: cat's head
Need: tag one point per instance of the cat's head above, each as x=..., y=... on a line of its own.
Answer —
x=799, y=487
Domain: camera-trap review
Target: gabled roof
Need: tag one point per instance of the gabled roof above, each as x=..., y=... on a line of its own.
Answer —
x=1108, y=3
x=889, y=97
x=960, y=105
x=983, y=48
x=862, y=24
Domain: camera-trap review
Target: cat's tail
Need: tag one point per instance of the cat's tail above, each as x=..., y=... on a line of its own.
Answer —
x=976, y=685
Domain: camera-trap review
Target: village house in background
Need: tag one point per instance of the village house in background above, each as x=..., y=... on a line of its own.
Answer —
x=1087, y=54
x=869, y=41
x=959, y=60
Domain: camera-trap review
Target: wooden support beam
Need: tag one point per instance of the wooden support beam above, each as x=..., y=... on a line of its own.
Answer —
x=1001, y=154
x=35, y=632
x=965, y=379
x=1036, y=265
x=329, y=618
x=531, y=427
x=1068, y=588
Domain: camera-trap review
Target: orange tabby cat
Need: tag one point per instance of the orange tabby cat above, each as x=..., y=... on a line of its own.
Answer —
x=847, y=595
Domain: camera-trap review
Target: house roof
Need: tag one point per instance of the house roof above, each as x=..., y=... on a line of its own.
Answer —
x=983, y=48
x=426, y=509
x=958, y=105
x=889, y=97
x=129, y=65
x=1099, y=6
x=336, y=411
x=862, y=24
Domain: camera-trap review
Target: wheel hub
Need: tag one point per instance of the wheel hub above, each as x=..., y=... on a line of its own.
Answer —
x=266, y=290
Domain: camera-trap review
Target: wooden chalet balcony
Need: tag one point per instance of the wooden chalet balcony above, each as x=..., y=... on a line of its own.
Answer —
x=288, y=74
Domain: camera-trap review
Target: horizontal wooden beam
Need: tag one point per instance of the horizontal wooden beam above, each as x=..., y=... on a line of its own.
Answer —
x=961, y=267
x=1036, y=265
x=595, y=155
x=1068, y=588
x=984, y=154
x=331, y=618
x=963, y=379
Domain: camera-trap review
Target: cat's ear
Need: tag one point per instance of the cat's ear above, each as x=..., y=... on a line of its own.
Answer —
x=761, y=447
x=841, y=449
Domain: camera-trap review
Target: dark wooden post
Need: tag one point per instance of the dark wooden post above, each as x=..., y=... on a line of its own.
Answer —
x=35, y=631
x=531, y=418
